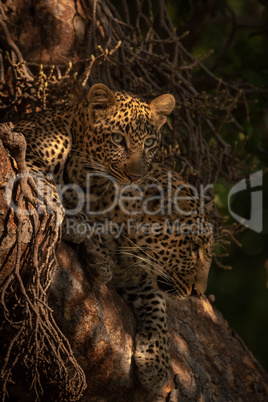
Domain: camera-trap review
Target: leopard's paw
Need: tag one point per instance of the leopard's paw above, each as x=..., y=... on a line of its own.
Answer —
x=153, y=365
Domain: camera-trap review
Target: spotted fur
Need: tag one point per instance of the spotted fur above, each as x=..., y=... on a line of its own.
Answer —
x=164, y=252
x=108, y=133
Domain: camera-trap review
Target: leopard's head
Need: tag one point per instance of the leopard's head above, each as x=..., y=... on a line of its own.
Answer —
x=174, y=238
x=185, y=260
x=126, y=131
x=178, y=263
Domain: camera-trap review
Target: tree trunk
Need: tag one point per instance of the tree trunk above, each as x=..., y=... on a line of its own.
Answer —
x=209, y=360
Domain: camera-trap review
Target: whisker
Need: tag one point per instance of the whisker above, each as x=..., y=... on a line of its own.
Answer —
x=151, y=259
x=97, y=169
x=84, y=153
x=169, y=291
x=133, y=265
x=90, y=160
x=156, y=266
x=140, y=248
x=152, y=179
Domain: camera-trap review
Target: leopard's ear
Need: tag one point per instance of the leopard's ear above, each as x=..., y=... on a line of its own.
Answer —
x=100, y=97
x=161, y=107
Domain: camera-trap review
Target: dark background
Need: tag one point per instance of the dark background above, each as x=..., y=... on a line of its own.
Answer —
x=237, y=31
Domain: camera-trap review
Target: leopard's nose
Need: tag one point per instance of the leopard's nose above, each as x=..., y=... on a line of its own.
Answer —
x=135, y=167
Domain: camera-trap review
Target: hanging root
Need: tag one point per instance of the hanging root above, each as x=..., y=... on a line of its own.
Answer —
x=37, y=345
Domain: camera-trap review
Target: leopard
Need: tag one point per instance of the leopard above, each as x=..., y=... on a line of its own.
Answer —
x=159, y=234
x=107, y=143
x=113, y=132
x=109, y=133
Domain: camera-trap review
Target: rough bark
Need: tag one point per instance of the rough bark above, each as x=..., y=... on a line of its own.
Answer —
x=35, y=357
x=209, y=360
x=57, y=27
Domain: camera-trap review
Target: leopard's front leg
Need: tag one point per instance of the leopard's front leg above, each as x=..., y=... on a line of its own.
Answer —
x=152, y=355
x=99, y=264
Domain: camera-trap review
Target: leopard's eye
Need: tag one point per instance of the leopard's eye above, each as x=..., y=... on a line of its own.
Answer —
x=196, y=251
x=149, y=142
x=118, y=138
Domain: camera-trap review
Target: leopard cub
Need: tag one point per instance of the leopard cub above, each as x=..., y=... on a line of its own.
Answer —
x=161, y=241
x=110, y=133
